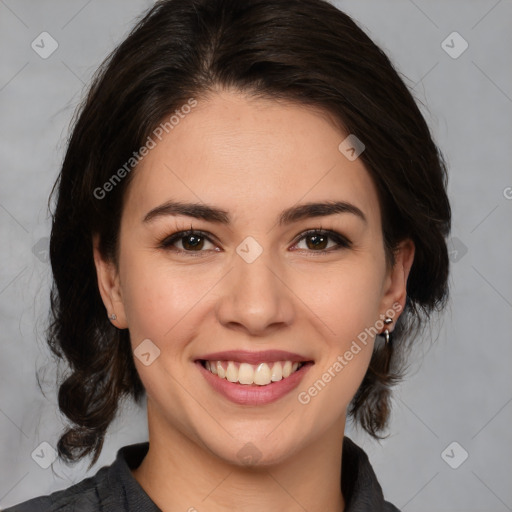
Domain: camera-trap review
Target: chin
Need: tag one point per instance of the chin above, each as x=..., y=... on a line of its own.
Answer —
x=256, y=451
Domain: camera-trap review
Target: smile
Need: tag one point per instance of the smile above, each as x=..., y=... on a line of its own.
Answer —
x=260, y=374
x=253, y=384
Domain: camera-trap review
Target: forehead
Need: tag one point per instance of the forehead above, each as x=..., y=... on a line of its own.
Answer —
x=250, y=156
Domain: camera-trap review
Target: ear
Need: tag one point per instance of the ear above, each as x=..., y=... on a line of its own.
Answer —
x=395, y=288
x=109, y=286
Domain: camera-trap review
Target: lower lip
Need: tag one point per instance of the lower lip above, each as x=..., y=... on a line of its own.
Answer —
x=252, y=394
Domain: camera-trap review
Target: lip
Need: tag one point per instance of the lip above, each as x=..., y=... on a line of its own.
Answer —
x=245, y=356
x=253, y=394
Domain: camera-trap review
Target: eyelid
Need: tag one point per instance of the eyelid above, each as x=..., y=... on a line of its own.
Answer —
x=182, y=233
x=342, y=240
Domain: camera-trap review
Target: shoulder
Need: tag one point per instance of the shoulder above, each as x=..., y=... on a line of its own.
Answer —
x=81, y=497
x=112, y=489
x=359, y=483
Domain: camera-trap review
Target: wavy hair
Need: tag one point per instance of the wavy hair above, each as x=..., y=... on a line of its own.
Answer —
x=304, y=51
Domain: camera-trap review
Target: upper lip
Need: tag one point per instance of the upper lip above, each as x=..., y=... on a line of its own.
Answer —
x=244, y=356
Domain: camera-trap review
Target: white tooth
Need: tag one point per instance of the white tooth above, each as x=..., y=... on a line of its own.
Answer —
x=262, y=375
x=277, y=372
x=232, y=372
x=220, y=370
x=245, y=373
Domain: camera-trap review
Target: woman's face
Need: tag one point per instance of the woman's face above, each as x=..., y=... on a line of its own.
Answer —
x=253, y=279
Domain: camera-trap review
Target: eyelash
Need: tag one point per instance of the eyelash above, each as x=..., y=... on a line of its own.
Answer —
x=343, y=242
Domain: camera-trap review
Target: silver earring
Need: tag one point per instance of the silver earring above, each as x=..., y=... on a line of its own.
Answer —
x=386, y=333
x=113, y=316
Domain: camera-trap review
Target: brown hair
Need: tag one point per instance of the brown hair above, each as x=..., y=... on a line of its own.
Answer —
x=306, y=51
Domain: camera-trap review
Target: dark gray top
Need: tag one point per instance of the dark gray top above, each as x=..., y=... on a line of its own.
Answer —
x=114, y=489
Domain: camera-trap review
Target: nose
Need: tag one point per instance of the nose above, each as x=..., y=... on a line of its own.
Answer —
x=255, y=298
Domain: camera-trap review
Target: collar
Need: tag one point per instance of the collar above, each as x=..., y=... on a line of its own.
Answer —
x=359, y=485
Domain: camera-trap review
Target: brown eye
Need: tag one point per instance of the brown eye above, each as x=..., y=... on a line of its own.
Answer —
x=190, y=241
x=317, y=240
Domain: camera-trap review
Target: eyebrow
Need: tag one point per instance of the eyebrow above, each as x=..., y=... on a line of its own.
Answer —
x=288, y=216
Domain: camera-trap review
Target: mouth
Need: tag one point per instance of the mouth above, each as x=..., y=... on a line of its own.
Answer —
x=253, y=378
x=253, y=384
x=247, y=374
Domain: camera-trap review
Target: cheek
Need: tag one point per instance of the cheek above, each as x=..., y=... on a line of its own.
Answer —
x=159, y=306
x=158, y=298
x=347, y=301
x=346, y=298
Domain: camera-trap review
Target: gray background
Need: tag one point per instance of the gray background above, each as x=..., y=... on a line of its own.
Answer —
x=460, y=385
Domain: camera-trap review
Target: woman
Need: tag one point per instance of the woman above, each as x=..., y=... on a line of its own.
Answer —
x=249, y=229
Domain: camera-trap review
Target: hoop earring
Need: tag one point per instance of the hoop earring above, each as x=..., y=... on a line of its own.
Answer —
x=386, y=333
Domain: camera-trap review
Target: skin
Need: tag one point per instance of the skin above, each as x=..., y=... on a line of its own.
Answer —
x=253, y=158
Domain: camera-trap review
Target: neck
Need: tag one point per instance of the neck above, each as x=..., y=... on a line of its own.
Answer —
x=179, y=473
